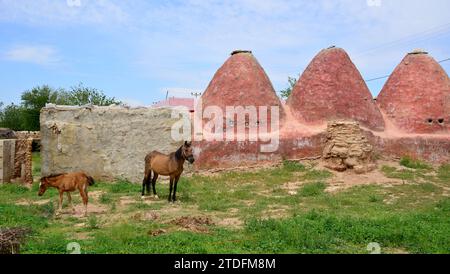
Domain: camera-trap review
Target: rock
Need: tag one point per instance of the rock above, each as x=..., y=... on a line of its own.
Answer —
x=6, y=133
x=347, y=148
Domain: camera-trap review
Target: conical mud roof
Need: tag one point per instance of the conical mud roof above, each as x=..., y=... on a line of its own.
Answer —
x=241, y=81
x=332, y=88
x=416, y=97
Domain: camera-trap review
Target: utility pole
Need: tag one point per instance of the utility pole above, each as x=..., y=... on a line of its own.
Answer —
x=196, y=94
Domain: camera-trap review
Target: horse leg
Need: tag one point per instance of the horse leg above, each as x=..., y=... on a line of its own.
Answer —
x=145, y=182
x=171, y=187
x=61, y=195
x=174, y=199
x=155, y=177
x=148, y=182
x=84, y=196
x=69, y=197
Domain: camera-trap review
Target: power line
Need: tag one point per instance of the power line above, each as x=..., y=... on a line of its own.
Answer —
x=378, y=78
x=387, y=76
x=417, y=37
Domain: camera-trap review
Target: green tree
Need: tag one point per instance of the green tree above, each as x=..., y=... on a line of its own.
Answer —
x=12, y=117
x=285, y=93
x=35, y=99
x=80, y=95
x=26, y=115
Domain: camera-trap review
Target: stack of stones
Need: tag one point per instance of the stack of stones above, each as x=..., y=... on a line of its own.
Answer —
x=348, y=148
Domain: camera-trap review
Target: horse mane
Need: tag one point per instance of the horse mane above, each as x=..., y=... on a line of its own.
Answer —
x=51, y=176
x=179, y=153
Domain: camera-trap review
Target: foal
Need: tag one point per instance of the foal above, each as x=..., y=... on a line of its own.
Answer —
x=166, y=165
x=68, y=182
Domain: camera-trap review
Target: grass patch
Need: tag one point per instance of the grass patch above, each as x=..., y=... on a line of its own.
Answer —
x=36, y=158
x=411, y=217
x=123, y=187
x=106, y=199
x=413, y=163
x=444, y=173
x=92, y=222
x=313, y=174
x=312, y=189
x=405, y=175
x=293, y=166
x=321, y=232
x=13, y=188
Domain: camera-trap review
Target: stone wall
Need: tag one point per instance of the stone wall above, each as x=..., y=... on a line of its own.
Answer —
x=348, y=148
x=7, y=152
x=23, y=160
x=35, y=135
x=106, y=142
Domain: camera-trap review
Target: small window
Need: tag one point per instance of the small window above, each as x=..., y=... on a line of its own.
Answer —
x=441, y=121
x=430, y=121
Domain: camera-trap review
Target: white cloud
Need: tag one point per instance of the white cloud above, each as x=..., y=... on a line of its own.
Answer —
x=62, y=12
x=40, y=55
x=182, y=43
x=284, y=35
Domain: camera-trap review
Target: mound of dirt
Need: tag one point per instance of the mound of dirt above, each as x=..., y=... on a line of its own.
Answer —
x=157, y=232
x=6, y=133
x=195, y=224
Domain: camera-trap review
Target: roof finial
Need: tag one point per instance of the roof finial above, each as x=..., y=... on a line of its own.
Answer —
x=241, y=51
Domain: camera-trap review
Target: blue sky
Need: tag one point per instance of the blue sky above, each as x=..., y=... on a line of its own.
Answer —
x=135, y=50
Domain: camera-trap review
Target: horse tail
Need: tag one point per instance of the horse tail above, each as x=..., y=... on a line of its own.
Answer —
x=91, y=181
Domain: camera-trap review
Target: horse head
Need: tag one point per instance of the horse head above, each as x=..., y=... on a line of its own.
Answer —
x=187, y=152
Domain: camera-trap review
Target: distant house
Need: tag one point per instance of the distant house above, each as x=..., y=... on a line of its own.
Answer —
x=177, y=102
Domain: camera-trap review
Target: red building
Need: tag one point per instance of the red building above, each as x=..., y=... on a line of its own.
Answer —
x=332, y=88
x=417, y=95
x=177, y=102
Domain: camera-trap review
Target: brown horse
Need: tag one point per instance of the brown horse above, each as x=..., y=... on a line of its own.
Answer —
x=166, y=165
x=68, y=182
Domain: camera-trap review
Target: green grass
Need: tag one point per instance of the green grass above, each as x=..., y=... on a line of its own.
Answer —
x=413, y=217
x=293, y=166
x=394, y=173
x=36, y=156
x=444, y=173
x=312, y=189
x=413, y=163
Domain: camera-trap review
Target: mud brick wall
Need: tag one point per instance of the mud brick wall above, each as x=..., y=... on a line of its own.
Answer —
x=106, y=142
x=23, y=160
x=7, y=149
x=348, y=148
x=35, y=135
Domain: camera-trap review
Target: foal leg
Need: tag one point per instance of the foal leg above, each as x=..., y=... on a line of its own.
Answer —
x=155, y=177
x=70, y=202
x=61, y=196
x=171, y=186
x=174, y=199
x=84, y=196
